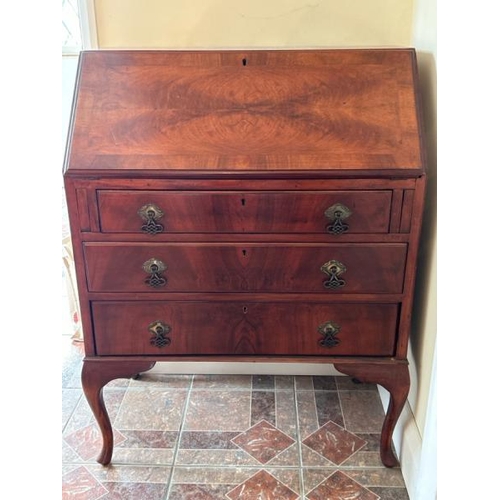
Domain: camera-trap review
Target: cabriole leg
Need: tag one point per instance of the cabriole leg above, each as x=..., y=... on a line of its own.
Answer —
x=393, y=376
x=95, y=375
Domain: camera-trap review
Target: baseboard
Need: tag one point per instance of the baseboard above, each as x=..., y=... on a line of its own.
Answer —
x=407, y=444
x=238, y=368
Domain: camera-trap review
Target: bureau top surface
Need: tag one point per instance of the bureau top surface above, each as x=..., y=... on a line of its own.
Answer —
x=182, y=113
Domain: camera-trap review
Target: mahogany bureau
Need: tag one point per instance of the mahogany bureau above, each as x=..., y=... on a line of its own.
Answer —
x=246, y=205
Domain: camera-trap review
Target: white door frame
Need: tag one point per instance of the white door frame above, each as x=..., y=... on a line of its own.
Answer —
x=88, y=27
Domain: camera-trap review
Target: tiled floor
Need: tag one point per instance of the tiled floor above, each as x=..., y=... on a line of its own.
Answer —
x=220, y=437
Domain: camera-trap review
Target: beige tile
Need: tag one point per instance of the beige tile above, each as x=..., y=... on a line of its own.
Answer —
x=162, y=381
x=222, y=382
x=308, y=417
x=212, y=475
x=286, y=415
x=377, y=477
x=304, y=383
x=151, y=409
x=142, y=456
x=216, y=458
x=83, y=416
x=215, y=410
x=284, y=382
x=130, y=473
x=70, y=398
x=362, y=410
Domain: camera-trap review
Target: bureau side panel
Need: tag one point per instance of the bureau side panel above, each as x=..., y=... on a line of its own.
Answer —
x=78, y=213
x=411, y=267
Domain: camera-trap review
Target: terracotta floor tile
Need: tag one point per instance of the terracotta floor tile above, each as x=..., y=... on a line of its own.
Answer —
x=340, y=487
x=80, y=484
x=262, y=485
x=219, y=452
x=334, y=443
x=263, y=441
x=87, y=441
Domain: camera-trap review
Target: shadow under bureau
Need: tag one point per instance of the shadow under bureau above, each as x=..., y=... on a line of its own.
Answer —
x=249, y=206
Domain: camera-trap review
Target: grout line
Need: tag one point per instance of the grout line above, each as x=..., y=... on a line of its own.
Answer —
x=72, y=413
x=342, y=409
x=178, y=441
x=299, y=441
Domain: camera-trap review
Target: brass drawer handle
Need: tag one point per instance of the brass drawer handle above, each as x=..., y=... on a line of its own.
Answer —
x=329, y=330
x=333, y=269
x=159, y=332
x=337, y=214
x=151, y=213
x=155, y=267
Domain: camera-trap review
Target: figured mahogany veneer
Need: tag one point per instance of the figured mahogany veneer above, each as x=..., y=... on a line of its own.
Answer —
x=243, y=328
x=244, y=212
x=256, y=212
x=213, y=267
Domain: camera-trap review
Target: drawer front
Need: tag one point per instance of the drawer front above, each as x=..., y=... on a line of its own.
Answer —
x=241, y=328
x=328, y=268
x=244, y=212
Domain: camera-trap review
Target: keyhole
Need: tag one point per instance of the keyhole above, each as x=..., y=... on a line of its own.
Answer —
x=244, y=253
x=244, y=61
x=243, y=201
x=245, y=309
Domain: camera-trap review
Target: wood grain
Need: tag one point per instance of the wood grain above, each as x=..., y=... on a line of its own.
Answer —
x=244, y=327
x=245, y=212
x=251, y=267
x=287, y=111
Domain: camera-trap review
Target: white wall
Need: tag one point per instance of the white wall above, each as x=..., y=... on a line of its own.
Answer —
x=252, y=23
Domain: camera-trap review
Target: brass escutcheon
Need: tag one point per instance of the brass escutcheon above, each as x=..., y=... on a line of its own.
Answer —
x=155, y=267
x=337, y=214
x=333, y=269
x=151, y=213
x=329, y=330
x=159, y=331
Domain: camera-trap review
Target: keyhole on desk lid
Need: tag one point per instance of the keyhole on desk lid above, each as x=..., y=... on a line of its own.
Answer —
x=244, y=252
x=243, y=201
x=245, y=309
x=244, y=61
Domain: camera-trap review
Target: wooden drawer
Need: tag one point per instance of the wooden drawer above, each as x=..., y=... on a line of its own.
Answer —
x=244, y=328
x=244, y=212
x=210, y=267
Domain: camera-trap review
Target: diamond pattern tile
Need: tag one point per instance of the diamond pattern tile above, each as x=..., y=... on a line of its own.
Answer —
x=263, y=441
x=80, y=484
x=199, y=443
x=334, y=442
x=262, y=486
x=339, y=486
x=87, y=441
